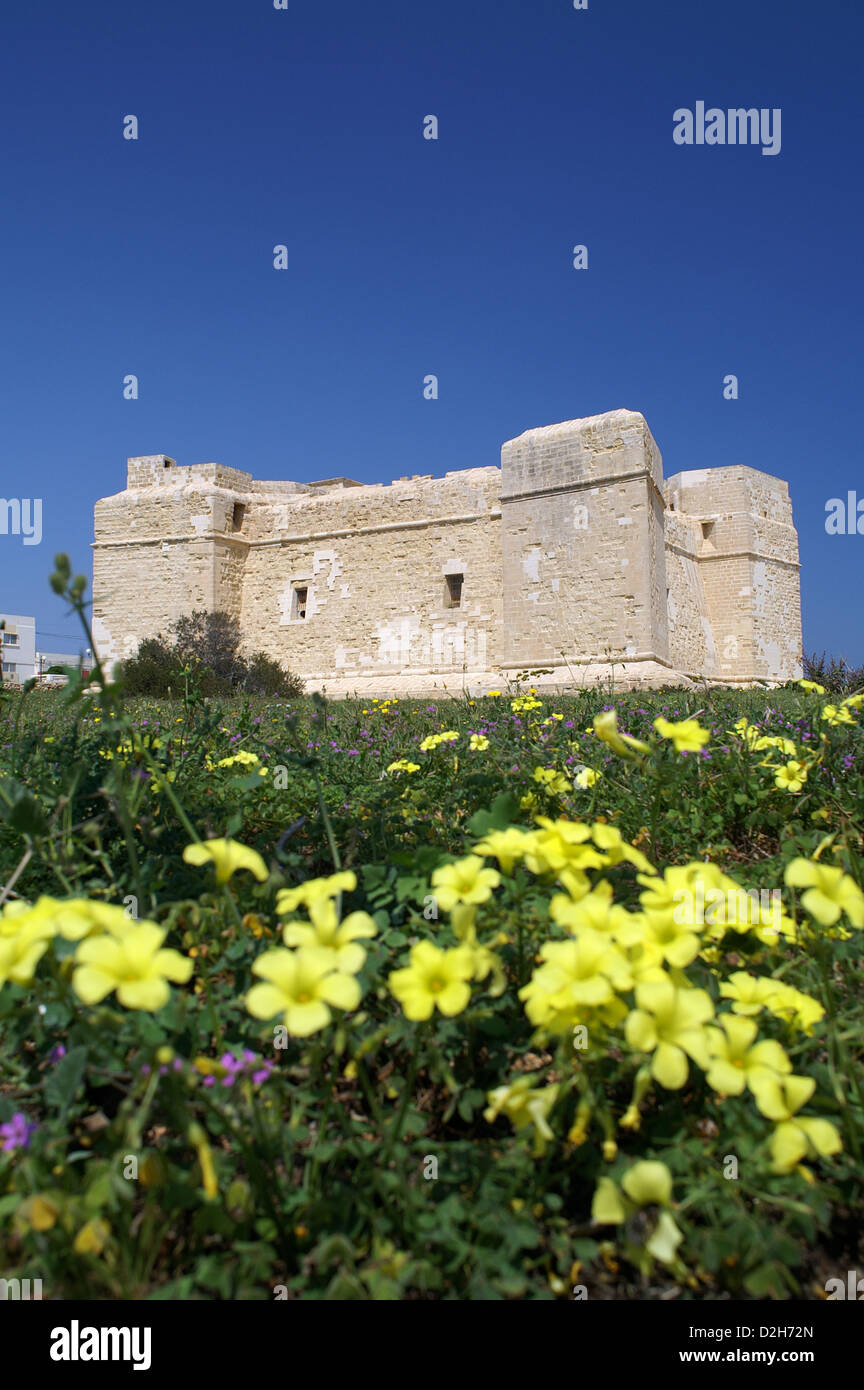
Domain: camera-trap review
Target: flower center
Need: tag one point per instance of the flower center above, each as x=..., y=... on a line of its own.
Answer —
x=436, y=986
x=303, y=997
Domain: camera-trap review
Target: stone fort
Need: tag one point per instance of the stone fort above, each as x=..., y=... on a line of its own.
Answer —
x=575, y=560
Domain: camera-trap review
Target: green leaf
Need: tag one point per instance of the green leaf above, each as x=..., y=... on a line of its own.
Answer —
x=61, y=1085
x=503, y=812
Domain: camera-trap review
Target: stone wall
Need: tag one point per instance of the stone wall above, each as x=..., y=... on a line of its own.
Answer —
x=574, y=557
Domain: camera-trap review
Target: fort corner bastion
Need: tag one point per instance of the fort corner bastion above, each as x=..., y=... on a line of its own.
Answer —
x=575, y=557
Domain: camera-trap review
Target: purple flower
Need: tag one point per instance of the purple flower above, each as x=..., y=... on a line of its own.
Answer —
x=16, y=1133
x=247, y=1064
x=56, y=1053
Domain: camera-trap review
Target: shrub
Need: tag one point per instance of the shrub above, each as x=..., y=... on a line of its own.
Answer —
x=264, y=676
x=834, y=673
x=209, y=644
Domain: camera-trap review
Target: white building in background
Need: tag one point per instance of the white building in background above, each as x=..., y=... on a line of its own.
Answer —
x=18, y=645
x=45, y=661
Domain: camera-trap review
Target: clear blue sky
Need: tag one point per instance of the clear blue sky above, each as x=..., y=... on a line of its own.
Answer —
x=410, y=257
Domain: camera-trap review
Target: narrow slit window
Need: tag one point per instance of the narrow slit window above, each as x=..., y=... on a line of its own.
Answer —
x=237, y=517
x=454, y=590
x=300, y=594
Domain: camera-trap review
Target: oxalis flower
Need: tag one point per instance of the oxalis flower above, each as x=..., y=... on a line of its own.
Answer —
x=606, y=729
x=21, y=953
x=326, y=932
x=669, y=1022
x=507, y=846
x=302, y=986
x=134, y=966
x=688, y=736
x=738, y=1060
x=647, y=1183
x=227, y=857
x=791, y=776
x=466, y=881
x=525, y=1104
x=315, y=890
x=435, y=979
x=79, y=917
x=796, y=1136
x=575, y=975
x=829, y=893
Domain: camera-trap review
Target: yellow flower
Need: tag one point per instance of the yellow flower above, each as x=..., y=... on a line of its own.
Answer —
x=670, y=1023
x=466, y=881
x=688, y=736
x=493, y=694
x=829, y=893
x=779, y=1098
x=427, y=744
x=750, y=993
x=462, y=919
x=315, y=890
x=133, y=965
x=607, y=1208
x=737, y=1060
x=76, y=918
x=403, y=766
x=616, y=849
x=648, y=1183
x=434, y=979
x=791, y=776
x=554, y=782
x=586, y=778
x=795, y=1008
x=837, y=714
x=92, y=1238
x=327, y=932
x=38, y=1212
x=671, y=915
x=606, y=729
x=198, y=1140
x=17, y=914
x=227, y=857
x=525, y=1105
x=21, y=953
x=579, y=974
x=242, y=756
x=784, y=744
x=507, y=846
x=478, y=743
x=559, y=846
x=597, y=911
x=811, y=685
x=300, y=985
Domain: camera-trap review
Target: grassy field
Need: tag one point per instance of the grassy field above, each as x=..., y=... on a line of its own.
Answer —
x=514, y=998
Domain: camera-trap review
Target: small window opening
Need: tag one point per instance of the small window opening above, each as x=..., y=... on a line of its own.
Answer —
x=454, y=590
x=237, y=517
x=300, y=594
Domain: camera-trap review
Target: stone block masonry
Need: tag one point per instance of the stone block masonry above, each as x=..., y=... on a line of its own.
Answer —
x=574, y=558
